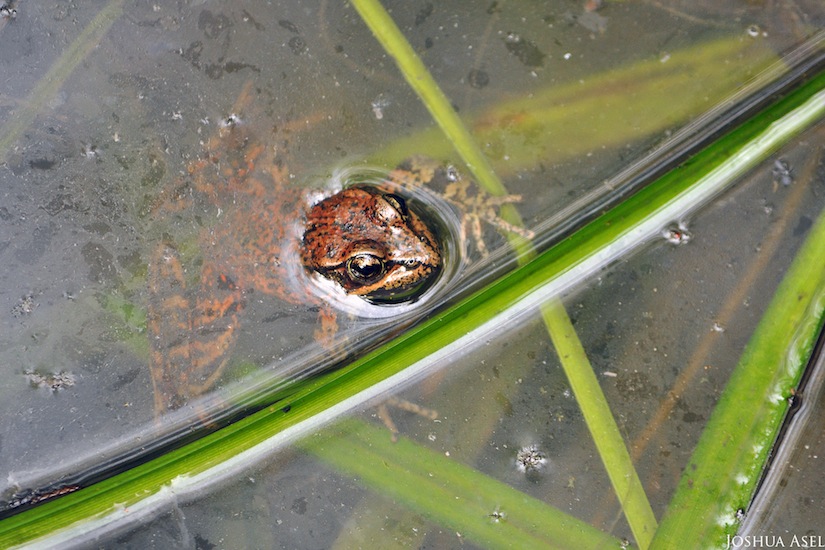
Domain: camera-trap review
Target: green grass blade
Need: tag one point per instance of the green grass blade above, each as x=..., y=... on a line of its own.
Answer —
x=726, y=465
x=600, y=422
x=422, y=82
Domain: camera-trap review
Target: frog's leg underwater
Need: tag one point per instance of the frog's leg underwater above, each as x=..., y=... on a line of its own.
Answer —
x=193, y=323
x=474, y=204
x=190, y=336
x=191, y=330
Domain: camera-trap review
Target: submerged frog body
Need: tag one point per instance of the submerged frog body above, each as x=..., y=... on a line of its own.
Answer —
x=364, y=238
x=256, y=233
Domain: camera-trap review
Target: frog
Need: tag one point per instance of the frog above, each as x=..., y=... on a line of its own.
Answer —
x=371, y=243
x=266, y=236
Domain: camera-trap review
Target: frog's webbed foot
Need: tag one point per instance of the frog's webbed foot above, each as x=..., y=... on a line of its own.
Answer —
x=478, y=206
x=327, y=327
x=475, y=204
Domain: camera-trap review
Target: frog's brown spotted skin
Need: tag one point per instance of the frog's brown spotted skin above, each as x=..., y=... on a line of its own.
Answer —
x=364, y=238
x=371, y=243
x=192, y=324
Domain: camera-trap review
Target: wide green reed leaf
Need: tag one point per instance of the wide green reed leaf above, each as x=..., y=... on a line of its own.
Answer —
x=727, y=464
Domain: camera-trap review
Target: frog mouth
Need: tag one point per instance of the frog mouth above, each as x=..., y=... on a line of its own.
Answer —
x=406, y=293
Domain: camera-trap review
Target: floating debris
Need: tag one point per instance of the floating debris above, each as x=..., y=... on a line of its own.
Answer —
x=677, y=234
x=25, y=306
x=7, y=11
x=52, y=381
x=497, y=516
x=379, y=104
x=782, y=173
x=89, y=151
x=526, y=51
x=530, y=459
x=230, y=121
x=478, y=78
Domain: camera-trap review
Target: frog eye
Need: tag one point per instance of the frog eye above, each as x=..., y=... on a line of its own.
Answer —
x=365, y=268
x=398, y=203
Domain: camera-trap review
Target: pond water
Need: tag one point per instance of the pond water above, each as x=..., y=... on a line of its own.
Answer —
x=107, y=112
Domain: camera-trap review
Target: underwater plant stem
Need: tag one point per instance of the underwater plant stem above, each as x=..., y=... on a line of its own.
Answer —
x=61, y=69
x=477, y=507
x=424, y=85
x=600, y=422
x=422, y=82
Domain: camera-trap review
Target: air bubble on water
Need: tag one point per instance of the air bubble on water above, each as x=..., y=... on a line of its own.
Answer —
x=452, y=173
x=754, y=31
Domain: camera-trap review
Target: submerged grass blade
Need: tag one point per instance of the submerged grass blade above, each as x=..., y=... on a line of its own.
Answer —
x=726, y=465
x=568, y=120
x=60, y=70
x=600, y=422
x=422, y=82
x=451, y=494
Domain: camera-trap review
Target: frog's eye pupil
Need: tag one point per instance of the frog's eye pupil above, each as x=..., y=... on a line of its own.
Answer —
x=398, y=203
x=365, y=268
